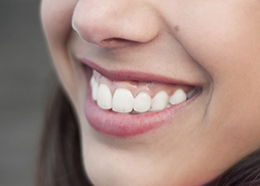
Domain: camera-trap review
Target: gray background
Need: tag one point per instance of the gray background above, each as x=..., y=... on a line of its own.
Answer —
x=24, y=70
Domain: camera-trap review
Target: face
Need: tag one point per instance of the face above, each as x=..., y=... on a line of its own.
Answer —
x=165, y=93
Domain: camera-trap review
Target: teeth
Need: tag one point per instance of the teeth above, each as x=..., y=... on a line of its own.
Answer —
x=160, y=101
x=94, y=86
x=123, y=101
x=142, y=102
x=178, y=97
x=104, y=97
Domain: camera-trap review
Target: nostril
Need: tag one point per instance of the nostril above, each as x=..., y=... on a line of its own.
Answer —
x=116, y=42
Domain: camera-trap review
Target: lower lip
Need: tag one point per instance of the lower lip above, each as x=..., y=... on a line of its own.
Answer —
x=127, y=125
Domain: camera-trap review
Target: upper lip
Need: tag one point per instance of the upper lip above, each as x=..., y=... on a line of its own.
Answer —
x=126, y=75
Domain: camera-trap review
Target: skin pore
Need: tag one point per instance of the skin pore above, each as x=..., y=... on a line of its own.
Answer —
x=213, y=45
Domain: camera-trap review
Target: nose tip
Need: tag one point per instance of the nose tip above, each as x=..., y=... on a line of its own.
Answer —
x=114, y=24
x=106, y=38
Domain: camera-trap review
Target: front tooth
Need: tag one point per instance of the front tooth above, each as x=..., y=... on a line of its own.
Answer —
x=142, y=102
x=104, y=97
x=94, y=87
x=123, y=101
x=178, y=97
x=160, y=101
x=92, y=81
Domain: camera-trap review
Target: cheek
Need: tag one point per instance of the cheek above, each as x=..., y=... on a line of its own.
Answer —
x=227, y=43
x=223, y=40
x=56, y=19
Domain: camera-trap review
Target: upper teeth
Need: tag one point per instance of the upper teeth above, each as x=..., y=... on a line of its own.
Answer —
x=123, y=101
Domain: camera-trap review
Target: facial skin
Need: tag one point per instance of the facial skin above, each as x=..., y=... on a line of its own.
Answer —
x=212, y=44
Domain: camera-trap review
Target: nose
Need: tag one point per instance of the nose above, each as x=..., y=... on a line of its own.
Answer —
x=113, y=23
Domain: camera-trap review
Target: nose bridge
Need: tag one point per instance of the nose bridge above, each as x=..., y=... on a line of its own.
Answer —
x=100, y=20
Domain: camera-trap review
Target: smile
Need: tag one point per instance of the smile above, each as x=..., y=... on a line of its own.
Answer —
x=136, y=97
x=125, y=104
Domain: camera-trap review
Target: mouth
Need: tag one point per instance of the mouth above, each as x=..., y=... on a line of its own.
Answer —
x=125, y=104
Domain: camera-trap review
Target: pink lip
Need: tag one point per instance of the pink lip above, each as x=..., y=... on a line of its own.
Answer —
x=125, y=75
x=127, y=125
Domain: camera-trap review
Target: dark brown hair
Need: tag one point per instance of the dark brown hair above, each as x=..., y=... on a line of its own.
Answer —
x=60, y=162
x=244, y=173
